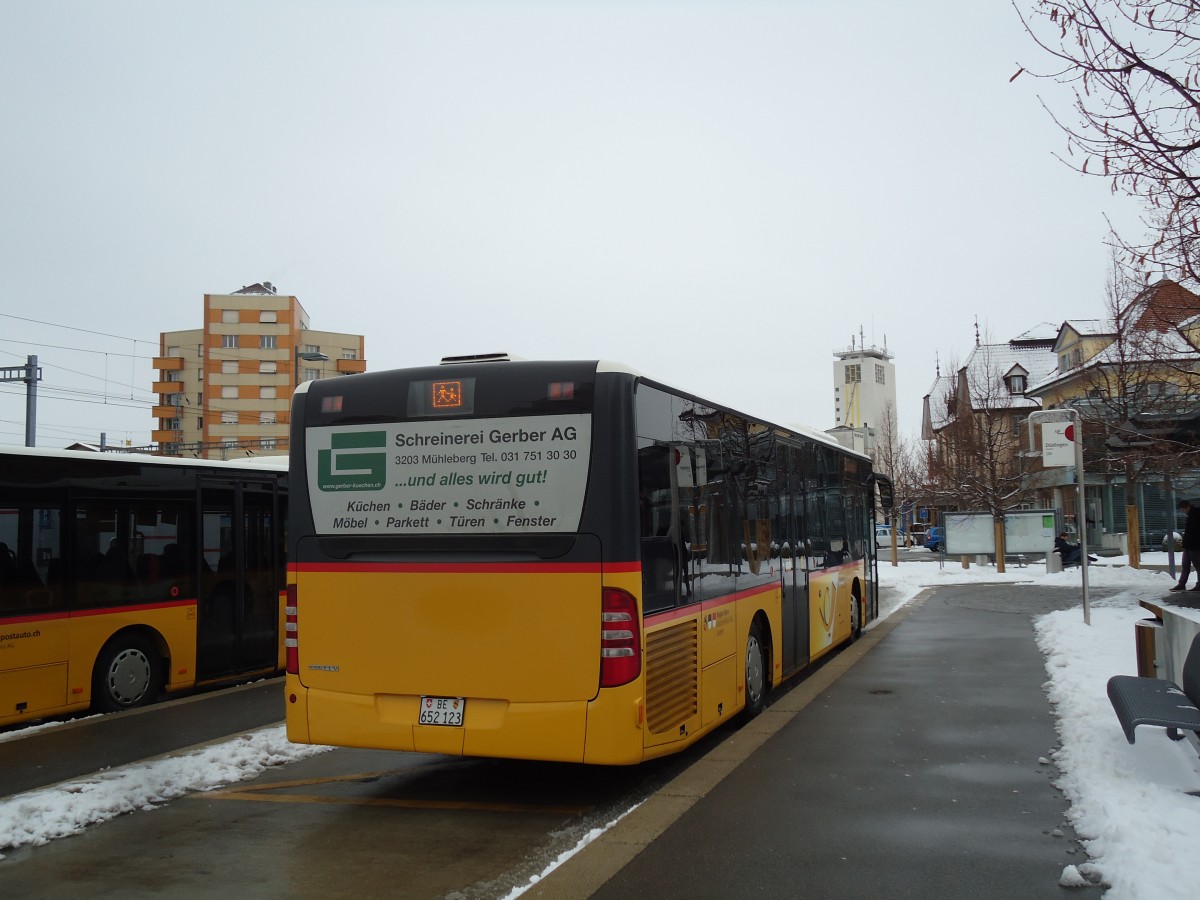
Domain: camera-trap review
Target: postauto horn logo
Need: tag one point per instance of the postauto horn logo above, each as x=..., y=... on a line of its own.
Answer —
x=355, y=461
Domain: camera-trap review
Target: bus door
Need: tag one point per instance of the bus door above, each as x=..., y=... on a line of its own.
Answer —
x=795, y=609
x=792, y=645
x=34, y=653
x=237, y=627
x=885, y=501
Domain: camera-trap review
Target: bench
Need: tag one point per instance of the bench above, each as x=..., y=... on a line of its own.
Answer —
x=1066, y=565
x=1157, y=701
x=1075, y=562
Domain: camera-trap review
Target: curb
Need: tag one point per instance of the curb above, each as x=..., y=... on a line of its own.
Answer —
x=585, y=872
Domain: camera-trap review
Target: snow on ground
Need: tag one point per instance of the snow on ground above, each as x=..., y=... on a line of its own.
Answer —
x=1130, y=805
x=40, y=816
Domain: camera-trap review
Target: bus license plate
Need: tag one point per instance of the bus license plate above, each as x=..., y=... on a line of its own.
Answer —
x=442, y=711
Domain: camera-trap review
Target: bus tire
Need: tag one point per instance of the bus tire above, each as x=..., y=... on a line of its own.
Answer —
x=756, y=673
x=128, y=674
x=856, y=617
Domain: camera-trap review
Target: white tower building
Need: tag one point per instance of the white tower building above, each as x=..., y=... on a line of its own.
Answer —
x=864, y=391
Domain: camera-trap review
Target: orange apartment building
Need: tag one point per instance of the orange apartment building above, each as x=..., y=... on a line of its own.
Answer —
x=225, y=389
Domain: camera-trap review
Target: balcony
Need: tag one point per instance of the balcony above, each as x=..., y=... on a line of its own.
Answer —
x=165, y=412
x=351, y=366
x=168, y=363
x=166, y=387
x=166, y=436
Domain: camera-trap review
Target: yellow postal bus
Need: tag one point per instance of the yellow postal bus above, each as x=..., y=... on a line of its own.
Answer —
x=557, y=560
x=122, y=575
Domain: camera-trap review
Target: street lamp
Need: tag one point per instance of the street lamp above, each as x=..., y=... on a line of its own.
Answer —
x=307, y=356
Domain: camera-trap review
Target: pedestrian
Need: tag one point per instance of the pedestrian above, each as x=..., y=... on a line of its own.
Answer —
x=1191, y=545
x=1072, y=554
x=1068, y=551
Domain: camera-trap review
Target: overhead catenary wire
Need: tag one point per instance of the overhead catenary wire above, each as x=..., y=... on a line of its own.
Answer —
x=208, y=359
x=121, y=337
x=73, y=349
x=117, y=392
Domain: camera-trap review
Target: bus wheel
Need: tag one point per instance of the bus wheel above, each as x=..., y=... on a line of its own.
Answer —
x=855, y=617
x=128, y=673
x=756, y=673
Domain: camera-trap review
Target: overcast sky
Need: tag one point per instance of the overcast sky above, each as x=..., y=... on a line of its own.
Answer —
x=720, y=194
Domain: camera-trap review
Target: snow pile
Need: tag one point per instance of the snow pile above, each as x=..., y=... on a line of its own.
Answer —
x=37, y=817
x=1129, y=804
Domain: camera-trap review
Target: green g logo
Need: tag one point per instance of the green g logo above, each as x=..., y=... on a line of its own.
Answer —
x=348, y=466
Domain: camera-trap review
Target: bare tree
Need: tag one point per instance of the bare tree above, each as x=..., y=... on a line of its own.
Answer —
x=977, y=463
x=976, y=459
x=888, y=446
x=1133, y=394
x=1133, y=67
x=902, y=461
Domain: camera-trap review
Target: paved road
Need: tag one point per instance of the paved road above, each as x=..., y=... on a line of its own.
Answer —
x=916, y=774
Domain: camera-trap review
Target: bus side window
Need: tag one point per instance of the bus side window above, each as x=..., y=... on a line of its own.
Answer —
x=104, y=572
x=27, y=536
x=660, y=555
x=9, y=595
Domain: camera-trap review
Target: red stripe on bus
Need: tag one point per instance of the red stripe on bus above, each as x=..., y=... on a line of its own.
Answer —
x=139, y=607
x=98, y=611
x=468, y=568
x=44, y=617
x=712, y=603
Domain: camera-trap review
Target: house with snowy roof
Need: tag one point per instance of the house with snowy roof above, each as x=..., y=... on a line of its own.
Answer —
x=1135, y=382
x=973, y=418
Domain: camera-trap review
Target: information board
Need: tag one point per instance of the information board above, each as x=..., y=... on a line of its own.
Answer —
x=1025, y=531
x=1029, y=531
x=968, y=534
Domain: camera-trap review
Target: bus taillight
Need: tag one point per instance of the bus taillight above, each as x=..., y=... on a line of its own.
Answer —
x=292, y=631
x=620, y=649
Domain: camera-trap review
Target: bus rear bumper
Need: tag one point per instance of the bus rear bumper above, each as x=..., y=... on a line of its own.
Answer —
x=553, y=731
x=605, y=731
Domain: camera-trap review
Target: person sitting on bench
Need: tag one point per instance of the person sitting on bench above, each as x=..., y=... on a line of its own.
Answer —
x=1069, y=552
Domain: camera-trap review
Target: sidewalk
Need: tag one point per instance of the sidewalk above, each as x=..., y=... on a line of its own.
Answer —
x=917, y=773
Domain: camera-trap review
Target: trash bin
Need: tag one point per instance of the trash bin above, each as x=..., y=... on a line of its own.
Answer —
x=1053, y=562
x=1147, y=633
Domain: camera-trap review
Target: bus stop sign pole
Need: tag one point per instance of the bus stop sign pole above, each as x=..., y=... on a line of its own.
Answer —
x=1072, y=434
